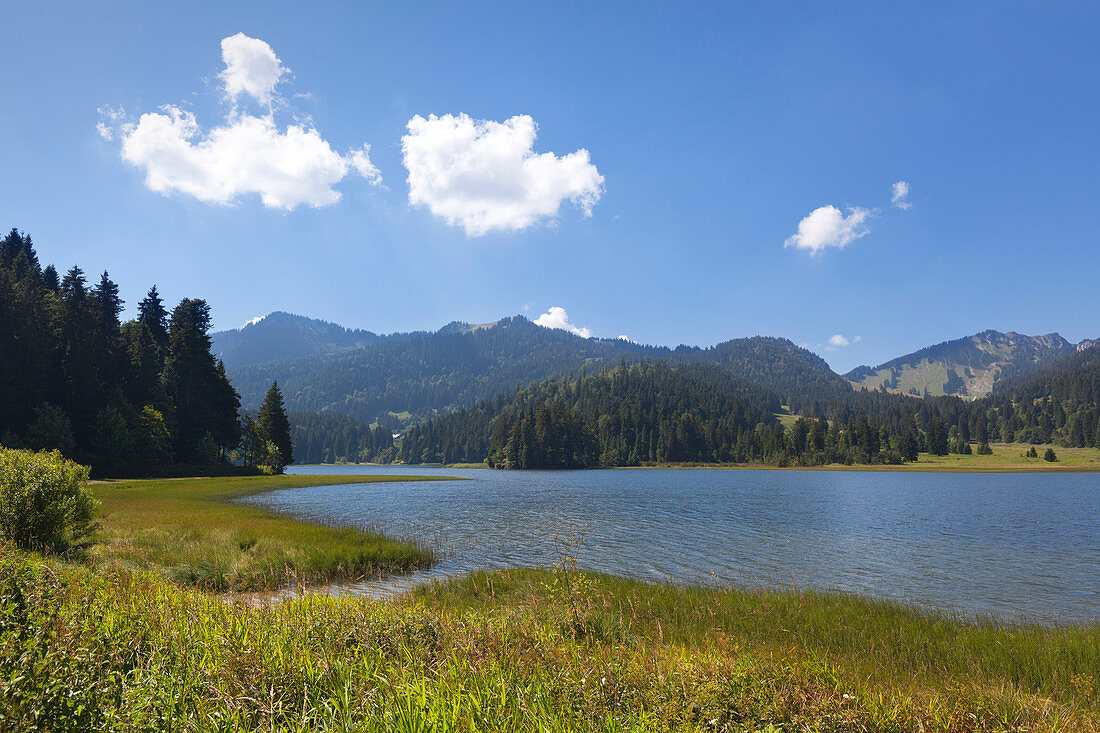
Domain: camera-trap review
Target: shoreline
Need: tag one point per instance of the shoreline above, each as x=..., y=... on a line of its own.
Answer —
x=916, y=467
x=197, y=533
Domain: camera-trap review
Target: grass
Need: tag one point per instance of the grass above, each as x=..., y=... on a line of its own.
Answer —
x=1006, y=458
x=786, y=418
x=520, y=650
x=129, y=642
x=189, y=532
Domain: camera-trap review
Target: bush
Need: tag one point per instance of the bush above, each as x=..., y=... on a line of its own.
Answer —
x=44, y=500
x=1049, y=456
x=984, y=449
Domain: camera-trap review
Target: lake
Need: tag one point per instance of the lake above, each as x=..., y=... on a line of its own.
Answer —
x=1015, y=546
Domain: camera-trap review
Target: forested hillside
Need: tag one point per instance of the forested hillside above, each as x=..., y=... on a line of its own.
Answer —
x=127, y=398
x=402, y=382
x=799, y=375
x=642, y=413
x=655, y=413
x=1059, y=404
x=281, y=336
x=411, y=379
x=329, y=438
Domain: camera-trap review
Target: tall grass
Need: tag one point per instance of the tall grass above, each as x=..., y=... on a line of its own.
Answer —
x=503, y=651
x=191, y=532
x=887, y=641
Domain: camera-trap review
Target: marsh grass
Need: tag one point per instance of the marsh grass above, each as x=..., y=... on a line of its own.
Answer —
x=883, y=640
x=192, y=532
x=126, y=651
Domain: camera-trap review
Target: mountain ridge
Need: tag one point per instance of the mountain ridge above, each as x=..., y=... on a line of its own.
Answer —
x=281, y=335
x=400, y=381
x=403, y=378
x=966, y=367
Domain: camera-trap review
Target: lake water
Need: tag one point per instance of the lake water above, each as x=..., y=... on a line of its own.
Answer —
x=1016, y=546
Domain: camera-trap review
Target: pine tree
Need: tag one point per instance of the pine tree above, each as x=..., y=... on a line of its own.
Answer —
x=937, y=437
x=205, y=419
x=275, y=428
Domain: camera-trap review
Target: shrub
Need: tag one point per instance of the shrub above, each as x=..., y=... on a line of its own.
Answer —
x=984, y=449
x=1049, y=456
x=44, y=500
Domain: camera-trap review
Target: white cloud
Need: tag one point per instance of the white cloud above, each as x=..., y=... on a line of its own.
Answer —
x=827, y=227
x=837, y=340
x=251, y=67
x=246, y=154
x=556, y=317
x=484, y=175
x=253, y=321
x=900, y=197
x=360, y=160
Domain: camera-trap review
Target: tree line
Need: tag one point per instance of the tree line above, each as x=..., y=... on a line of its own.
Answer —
x=635, y=414
x=144, y=397
x=325, y=437
x=644, y=413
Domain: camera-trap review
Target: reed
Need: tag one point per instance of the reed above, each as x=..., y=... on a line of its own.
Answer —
x=193, y=532
x=121, y=650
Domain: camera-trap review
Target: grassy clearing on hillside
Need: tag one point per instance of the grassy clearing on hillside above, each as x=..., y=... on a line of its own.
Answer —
x=519, y=651
x=187, y=530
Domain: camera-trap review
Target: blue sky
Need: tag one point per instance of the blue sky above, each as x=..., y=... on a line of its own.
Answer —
x=711, y=131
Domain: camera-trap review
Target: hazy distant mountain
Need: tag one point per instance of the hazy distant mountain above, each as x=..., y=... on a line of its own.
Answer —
x=280, y=336
x=967, y=366
x=404, y=381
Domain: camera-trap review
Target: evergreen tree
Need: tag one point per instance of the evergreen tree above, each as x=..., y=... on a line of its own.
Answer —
x=274, y=427
x=937, y=437
x=204, y=401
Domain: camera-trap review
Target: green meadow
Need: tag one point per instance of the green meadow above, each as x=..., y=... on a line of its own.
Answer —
x=190, y=531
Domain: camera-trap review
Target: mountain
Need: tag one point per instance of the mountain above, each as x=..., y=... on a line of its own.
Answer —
x=967, y=367
x=404, y=381
x=280, y=336
x=658, y=412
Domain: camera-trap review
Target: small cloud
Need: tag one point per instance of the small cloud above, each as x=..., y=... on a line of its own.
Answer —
x=360, y=160
x=246, y=154
x=484, y=175
x=110, y=119
x=624, y=337
x=556, y=317
x=838, y=340
x=253, y=321
x=827, y=227
x=900, y=197
x=251, y=67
